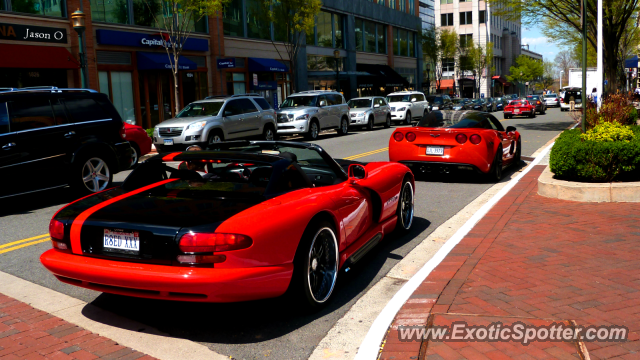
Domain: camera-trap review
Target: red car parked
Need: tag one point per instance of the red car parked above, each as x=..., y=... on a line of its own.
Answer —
x=519, y=108
x=456, y=140
x=139, y=140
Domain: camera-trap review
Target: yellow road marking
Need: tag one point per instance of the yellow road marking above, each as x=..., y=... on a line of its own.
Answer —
x=23, y=245
x=23, y=240
x=366, y=154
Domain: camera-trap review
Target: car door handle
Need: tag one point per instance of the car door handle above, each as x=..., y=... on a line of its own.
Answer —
x=69, y=134
x=8, y=146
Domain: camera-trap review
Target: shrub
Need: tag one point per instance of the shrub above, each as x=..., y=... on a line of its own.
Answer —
x=615, y=108
x=573, y=158
x=608, y=132
x=149, y=132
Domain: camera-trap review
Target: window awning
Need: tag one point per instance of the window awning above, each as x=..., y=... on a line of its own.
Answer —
x=499, y=78
x=36, y=57
x=446, y=84
x=266, y=65
x=380, y=75
x=157, y=61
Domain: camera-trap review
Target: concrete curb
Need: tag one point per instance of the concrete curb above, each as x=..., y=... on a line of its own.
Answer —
x=550, y=187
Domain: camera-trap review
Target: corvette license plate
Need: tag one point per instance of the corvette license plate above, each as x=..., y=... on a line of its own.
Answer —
x=435, y=150
x=514, y=111
x=121, y=240
x=168, y=141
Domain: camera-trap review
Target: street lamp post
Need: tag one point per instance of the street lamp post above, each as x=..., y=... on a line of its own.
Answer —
x=428, y=79
x=336, y=55
x=78, y=20
x=561, y=72
x=521, y=81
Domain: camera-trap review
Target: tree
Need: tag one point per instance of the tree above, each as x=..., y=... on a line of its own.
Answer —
x=177, y=18
x=548, y=76
x=564, y=61
x=431, y=52
x=292, y=19
x=526, y=69
x=479, y=58
x=565, y=15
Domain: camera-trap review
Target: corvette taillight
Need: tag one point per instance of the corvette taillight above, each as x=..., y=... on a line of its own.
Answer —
x=410, y=136
x=213, y=242
x=461, y=138
x=475, y=139
x=398, y=136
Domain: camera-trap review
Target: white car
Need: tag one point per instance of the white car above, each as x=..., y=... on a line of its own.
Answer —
x=552, y=100
x=407, y=105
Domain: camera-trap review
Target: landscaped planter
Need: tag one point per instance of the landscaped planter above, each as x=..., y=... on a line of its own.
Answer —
x=550, y=187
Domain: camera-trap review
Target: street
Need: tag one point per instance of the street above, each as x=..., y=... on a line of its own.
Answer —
x=265, y=329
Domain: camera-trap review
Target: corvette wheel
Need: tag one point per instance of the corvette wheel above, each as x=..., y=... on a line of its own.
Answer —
x=405, y=208
x=387, y=124
x=315, y=266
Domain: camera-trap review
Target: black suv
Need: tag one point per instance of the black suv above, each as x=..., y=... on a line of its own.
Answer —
x=440, y=102
x=57, y=137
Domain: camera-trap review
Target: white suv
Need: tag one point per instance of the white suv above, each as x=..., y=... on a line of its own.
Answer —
x=407, y=105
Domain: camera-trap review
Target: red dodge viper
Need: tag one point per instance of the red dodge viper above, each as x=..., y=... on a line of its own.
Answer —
x=241, y=221
x=519, y=108
x=456, y=140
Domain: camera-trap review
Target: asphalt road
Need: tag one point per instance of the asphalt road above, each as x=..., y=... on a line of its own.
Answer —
x=268, y=328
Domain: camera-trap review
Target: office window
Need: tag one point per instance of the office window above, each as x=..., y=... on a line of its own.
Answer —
x=232, y=18
x=446, y=19
x=48, y=8
x=402, y=5
x=359, y=30
x=448, y=65
x=323, y=29
x=369, y=36
x=382, y=39
x=395, y=42
x=411, y=44
x=110, y=11
x=392, y=4
x=380, y=2
x=338, y=28
x=403, y=36
x=482, y=16
x=466, y=18
x=446, y=1
x=412, y=7
x=258, y=26
x=466, y=40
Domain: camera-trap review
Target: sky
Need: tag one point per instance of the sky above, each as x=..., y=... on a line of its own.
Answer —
x=539, y=43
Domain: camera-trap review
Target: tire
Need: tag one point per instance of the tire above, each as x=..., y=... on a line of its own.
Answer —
x=532, y=115
x=405, y=209
x=518, y=156
x=495, y=173
x=268, y=134
x=214, y=137
x=91, y=173
x=387, y=124
x=370, y=123
x=344, y=126
x=316, y=255
x=135, y=156
x=314, y=130
x=407, y=118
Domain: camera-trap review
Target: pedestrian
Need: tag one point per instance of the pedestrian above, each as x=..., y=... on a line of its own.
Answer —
x=594, y=96
x=572, y=103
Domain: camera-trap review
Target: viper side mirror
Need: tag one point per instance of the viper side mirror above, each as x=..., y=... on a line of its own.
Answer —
x=357, y=172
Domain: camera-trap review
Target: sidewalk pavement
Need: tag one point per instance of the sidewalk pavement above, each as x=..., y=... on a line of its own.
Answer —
x=539, y=261
x=29, y=334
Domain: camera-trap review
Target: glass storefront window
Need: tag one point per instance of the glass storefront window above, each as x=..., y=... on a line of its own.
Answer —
x=339, y=30
x=370, y=36
x=258, y=26
x=235, y=83
x=118, y=86
x=323, y=29
x=232, y=18
x=143, y=11
x=395, y=42
x=110, y=11
x=402, y=40
x=382, y=38
x=359, y=34
x=412, y=48
x=36, y=7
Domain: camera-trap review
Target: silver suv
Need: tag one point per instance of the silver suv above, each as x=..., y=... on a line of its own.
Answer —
x=369, y=111
x=407, y=105
x=309, y=112
x=215, y=119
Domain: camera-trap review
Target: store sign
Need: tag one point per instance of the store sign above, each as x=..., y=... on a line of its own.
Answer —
x=227, y=63
x=161, y=40
x=275, y=101
x=265, y=85
x=19, y=32
x=255, y=79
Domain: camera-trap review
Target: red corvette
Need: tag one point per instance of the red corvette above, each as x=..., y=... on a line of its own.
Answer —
x=456, y=140
x=519, y=108
x=139, y=140
x=265, y=217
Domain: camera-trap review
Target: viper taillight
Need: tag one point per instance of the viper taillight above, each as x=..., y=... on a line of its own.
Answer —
x=56, y=230
x=475, y=139
x=213, y=242
x=398, y=136
x=461, y=138
x=410, y=136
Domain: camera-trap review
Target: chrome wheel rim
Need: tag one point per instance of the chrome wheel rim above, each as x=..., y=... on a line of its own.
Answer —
x=406, y=206
x=345, y=126
x=215, y=139
x=322, y=265
x=134, y=156
x=268, y=134
x=95, y=174
x=314, y=130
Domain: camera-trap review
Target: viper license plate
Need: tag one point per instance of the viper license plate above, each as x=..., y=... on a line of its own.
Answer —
x=435, y=150
x=120, y=240
x=516, y=111
x=168, y=141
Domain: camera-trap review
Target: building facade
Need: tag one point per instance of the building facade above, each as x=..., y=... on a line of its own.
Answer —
x=474, y=20
x=238, y=52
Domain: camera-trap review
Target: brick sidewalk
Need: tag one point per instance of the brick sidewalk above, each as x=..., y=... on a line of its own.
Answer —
x=539, y=261
x=28, y=333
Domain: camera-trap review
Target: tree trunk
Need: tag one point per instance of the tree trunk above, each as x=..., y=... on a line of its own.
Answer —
x=175, y=84
x=610, y=61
